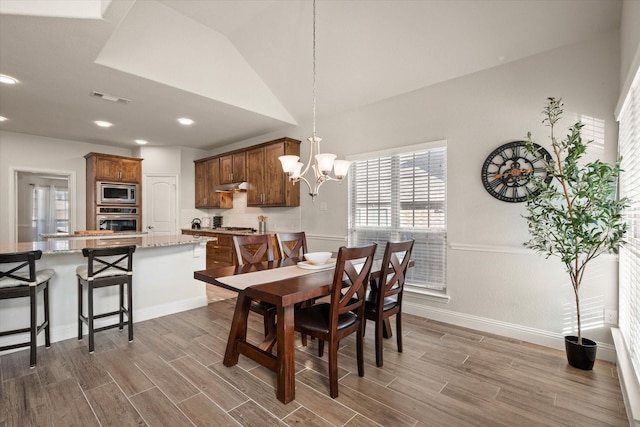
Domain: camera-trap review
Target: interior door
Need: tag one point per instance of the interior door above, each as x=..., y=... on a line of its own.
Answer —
x=160, y=205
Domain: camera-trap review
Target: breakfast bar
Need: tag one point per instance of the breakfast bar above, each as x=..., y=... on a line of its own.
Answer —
x=163, y=280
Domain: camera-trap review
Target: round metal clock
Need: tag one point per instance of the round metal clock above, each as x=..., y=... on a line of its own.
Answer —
x=507, y=171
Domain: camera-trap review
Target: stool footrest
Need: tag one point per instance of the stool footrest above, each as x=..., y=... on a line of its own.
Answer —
x=12, y=346
x=15, y=331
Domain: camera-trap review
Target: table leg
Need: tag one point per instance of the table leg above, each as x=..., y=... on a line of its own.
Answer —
x=285, y=372
x=238, y=330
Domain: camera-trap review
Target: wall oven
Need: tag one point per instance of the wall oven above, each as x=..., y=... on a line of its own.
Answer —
x=118, y=219
x=110, y=193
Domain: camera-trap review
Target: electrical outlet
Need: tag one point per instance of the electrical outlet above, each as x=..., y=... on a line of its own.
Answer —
x=610, y=317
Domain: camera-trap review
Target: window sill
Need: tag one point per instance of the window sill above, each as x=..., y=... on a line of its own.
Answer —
x=426, y=294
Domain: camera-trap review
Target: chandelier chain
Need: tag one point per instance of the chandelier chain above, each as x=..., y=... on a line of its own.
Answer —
x=314, y=68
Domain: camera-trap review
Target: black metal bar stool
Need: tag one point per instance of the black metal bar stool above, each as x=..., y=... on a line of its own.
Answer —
x=106, y=267
x=19, y=278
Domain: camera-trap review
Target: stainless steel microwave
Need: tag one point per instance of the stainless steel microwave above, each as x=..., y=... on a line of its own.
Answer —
x=110, y=193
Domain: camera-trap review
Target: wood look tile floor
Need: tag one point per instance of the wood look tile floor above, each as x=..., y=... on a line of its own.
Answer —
x=172, y=375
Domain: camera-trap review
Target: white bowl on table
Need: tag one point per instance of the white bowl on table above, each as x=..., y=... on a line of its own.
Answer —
x=317, y=258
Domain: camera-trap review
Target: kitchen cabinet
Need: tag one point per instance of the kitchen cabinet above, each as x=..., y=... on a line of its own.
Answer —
x=106, y=167
x=207, y=178
x=233, y=168
x=219, y=252
x=267, y=185
x=110, y=168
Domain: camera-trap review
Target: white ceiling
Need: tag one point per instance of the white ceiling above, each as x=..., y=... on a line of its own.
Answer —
x=242, y=68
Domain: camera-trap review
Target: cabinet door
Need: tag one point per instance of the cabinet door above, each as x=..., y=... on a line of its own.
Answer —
x=232, y=168
x=274, y=179
x=118, y=169
x=130, y=170
x=201, y=175
x=255, y=166
x=107, y=169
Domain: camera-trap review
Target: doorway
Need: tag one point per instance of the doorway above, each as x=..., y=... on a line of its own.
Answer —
x=43, y=205
x=160, y=203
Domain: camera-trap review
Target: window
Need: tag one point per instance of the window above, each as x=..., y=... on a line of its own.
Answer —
x=629, y=147
x=402, y=195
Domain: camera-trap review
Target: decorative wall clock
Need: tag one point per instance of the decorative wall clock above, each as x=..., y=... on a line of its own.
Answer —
x=507, y=171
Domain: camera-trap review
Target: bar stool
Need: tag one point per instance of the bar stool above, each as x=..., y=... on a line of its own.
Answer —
x=20, y=279
x=105, y=267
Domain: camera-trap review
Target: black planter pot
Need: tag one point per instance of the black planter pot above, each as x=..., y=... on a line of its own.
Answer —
x=580, y=356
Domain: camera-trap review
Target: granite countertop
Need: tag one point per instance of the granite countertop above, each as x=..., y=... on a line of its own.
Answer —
x=205, y=231
x=65, y=246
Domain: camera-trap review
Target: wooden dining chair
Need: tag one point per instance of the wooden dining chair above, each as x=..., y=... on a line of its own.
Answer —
x=344, y=314
x=18, y=279
x=292, y=245
x=251, y=249
x=384, y=299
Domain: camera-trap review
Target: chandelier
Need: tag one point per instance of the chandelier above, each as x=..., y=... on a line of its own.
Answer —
x=321, y=163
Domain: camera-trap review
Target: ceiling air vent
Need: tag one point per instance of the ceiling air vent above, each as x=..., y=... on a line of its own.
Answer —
x=111, y=98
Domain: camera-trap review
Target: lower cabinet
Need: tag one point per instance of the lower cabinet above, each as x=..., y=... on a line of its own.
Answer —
x=219, y=252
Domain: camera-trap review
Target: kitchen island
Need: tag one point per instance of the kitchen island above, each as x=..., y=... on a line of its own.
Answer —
x=163, y=281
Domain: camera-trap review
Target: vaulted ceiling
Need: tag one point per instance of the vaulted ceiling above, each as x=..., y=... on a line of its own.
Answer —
x=242, y=68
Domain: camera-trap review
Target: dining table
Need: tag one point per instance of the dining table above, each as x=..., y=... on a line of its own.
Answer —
x=284, y=284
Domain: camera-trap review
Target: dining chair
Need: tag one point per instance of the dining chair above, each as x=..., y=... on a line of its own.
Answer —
x=384, y=298
x=292, y=245
x=250, y=249
x=106, y=267
x=19, y=278
x=344, y=314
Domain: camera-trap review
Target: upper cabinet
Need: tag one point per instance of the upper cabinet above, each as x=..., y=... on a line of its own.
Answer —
x=233, y=168
x=267, y=185
x=207, y=175
x=107, y=167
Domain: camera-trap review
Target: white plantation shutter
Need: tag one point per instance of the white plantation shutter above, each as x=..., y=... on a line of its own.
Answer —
x=403, y=196
x=629, y=291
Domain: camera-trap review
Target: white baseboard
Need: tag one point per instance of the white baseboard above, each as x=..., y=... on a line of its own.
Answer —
x=63, y=332
x=537, y=336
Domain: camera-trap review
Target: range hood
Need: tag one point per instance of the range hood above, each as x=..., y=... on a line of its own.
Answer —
x=230, y=188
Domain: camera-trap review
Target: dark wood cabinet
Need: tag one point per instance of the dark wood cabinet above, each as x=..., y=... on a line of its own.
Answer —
x=207, y=178
x=106, y=167
x=233, y=168
x=219, y=252
x=267, y=185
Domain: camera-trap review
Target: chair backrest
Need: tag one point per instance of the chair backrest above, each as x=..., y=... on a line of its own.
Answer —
x=393, y=271
x=21, y=269
x=108, y=260
x=253, y=248
x=350, y=281
x=292, y=245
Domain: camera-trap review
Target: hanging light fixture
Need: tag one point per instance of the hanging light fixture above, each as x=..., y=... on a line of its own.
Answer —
x=321, y=163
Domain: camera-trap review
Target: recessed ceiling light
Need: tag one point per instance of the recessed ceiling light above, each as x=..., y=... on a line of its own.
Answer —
x=8, y=79
x=3, y=119
x=103, y=124
x=185, y=121
x=141, y=141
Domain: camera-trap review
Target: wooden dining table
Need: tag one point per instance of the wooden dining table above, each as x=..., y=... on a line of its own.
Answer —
x=283, y=284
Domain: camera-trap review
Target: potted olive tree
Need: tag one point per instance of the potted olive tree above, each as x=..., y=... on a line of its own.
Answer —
x=575, y=216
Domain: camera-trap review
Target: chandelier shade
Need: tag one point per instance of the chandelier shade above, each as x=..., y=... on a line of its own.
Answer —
x=323, y=164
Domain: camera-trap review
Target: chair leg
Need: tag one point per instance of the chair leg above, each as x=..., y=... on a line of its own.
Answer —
x=34, y=325
x=320, y=347
x=379, y=333
x=90, y=315
x=269, y=323
x=79, y=310
x=399, y=330
x=333, y=368
x=121, y=308
x=360, y=351
x=47, y=334
x=130, y=309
